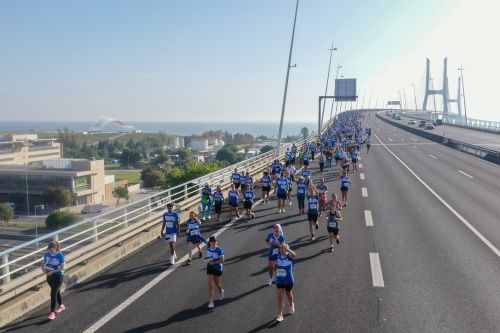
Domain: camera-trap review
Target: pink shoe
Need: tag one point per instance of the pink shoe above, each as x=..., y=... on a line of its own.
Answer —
x=60, y=308
x=52, y=316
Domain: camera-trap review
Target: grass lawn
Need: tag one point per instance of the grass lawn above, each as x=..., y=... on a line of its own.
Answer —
x=133, y=176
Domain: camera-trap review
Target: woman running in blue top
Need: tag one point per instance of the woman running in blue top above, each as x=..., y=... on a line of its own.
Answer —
x=215, y=264
x=344, y=187
x=273, y=242
x=193, y=235
x=53, y=265
x=285, y=279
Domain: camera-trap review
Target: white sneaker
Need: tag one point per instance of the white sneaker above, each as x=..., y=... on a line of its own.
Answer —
x=211, y=305
x=269, y=281
x=221, y=295
x=203, y=218
x=292, y=308
x=290, y=203
x=175, y=255
x=284, y=211
x=209, y=217
x=172, y=260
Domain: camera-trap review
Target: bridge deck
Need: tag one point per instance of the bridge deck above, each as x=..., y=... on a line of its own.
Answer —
x=438, y=275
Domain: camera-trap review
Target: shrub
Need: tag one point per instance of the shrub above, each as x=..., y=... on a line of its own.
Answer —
x=60, y=219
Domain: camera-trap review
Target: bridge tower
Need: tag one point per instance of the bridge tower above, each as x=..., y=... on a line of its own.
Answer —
x=458, y=100
x=443, y=92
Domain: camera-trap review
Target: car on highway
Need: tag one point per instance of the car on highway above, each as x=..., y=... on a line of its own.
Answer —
x=92, y=209
x=398, y=117
x=429, y=126
x=422, y=123
x=434, y=123
x=411, y=122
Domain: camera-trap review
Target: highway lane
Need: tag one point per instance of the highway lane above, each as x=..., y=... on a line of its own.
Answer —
x=331, y=289
x=488, y=140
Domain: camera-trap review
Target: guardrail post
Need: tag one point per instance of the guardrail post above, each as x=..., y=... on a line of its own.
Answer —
x=169, y=196
x=56, y=238
x=5, y=269
x=149, y=204
x=126, y=217
x=185, y=192
x=94, y=231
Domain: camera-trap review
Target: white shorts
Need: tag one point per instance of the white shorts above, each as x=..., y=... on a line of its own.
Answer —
x=172, y=238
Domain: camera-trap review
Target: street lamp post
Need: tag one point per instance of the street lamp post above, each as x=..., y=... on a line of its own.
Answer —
x=461, y=69
x=42, y=207
x=334, y=101
x=286, y=82
x=327, y=80
x=415, y=97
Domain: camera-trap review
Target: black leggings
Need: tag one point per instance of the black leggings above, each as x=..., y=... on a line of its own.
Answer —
x=301, y=202
x=55, y=283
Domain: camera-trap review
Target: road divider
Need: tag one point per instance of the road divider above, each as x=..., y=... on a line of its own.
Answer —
x=377, y=277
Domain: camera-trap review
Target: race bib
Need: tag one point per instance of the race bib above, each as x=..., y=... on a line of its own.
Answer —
x=280, y=272
x=332, y=224
x=313, y=206
x=194, y=232
x=275, y=252
x=170, y=224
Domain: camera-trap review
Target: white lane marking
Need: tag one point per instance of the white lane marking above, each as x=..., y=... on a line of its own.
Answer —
x=360, y=166
x=361, y=176
x=364, y=192
x=451, y=209
x=368, y=218
x=113, y=313
x=390, y=139
x=377, y=278
x=465, y=174
x=434, y=157
x=414, y=146
x=414, y=140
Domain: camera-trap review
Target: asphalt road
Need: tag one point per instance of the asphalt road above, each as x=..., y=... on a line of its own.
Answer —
x=437, y=274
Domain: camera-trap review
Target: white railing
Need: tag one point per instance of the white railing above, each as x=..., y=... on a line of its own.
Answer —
x=20, y=264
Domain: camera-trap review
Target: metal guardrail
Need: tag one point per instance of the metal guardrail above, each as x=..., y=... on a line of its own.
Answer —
x=483, y=126
x=24, y=260
x=477, y=151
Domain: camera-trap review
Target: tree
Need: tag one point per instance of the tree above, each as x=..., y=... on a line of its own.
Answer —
x=121, y=192
x=265, y=149
x=58, y=196
x=6, y=213
x=60, y=219
x=153, y=177
x=228, y=153
x=129, y=156
x=193, y=170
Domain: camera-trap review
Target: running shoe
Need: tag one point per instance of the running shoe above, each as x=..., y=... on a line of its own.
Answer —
x=52, y=316
x=253, y=215
x=200, y=255
x=279, y=319
x=60, y=308
x=221, y=295
x=238, y=215
x=175, y=255
x=292, y=308
x=332, y=248
x=189, y=262
x=284, y=211
x=312, y=237
x=211, y=305
x=269, y=281
x=172, y=260
x=209, y=217
x=290, y=203
x=338, y=241
x=203, y=218
x=317, y=226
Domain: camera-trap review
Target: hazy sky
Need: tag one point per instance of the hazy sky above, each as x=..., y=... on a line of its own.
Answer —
x=225, y=60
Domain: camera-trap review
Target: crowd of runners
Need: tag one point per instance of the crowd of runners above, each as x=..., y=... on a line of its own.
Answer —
x=337, y=152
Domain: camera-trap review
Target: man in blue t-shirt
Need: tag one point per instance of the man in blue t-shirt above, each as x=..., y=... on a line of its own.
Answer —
x=170, y=230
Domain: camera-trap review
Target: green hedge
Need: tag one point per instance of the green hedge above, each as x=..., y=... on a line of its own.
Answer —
x=60, y=219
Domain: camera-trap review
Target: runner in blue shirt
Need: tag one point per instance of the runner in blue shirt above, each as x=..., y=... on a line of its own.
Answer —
x=333, y=224
x=170, y=230
x=306, y=173
x=249, y=196
x=243, y=181
x=354, y=159
x=235, y=178
x=344, y=187
x=266, y=187
x=285, y=279
x=312, y=209
x=53, y=266
x=193, y=235
x=248, y=180
x=273, y=242
x=281, y=192
x=289, y=178
x=215, y=264
x=301, y=194
x=233, y=200
x=218, y=201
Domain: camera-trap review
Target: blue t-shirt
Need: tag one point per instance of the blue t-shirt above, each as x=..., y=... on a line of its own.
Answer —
x=344, y=181
x=266, y=181
x=301, y=189
x=235, y=177
x=171, y=222
x=194, y=228
x=274, y=243
x=306, y=173
x=284, y=269
x=249, y=196
x=312, y=204
x=333, y=220
x=249, y=181
x=282, y=185
x=53, y=262
x=218, y=197
x=214, y=255
x=233, y=197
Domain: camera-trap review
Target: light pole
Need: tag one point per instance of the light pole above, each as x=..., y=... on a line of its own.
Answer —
x=27, y=192
x=327, y=79
x=334, y=101
x=461, y=69
x=415, y=97
x=286, y=81
x=42, y=207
